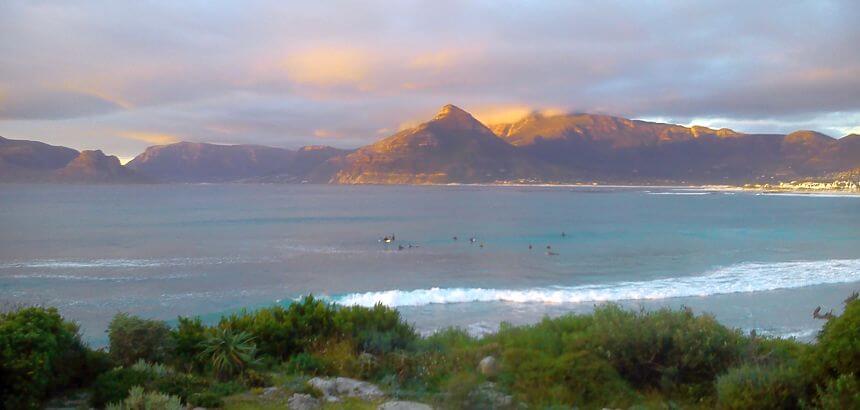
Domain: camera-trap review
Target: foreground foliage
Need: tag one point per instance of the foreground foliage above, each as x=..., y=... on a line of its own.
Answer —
x=610, y=358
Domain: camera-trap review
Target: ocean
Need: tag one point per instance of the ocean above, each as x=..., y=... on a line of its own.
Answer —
x=754, y=261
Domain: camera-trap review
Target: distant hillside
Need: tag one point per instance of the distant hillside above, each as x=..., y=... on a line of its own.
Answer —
x=94, y=167
x=608, y=148
x=202, y=162
x=454, y=147
x=32, y=161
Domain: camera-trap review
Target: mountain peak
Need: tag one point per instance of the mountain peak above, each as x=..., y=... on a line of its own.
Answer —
x=452, y=117
x=452, y=112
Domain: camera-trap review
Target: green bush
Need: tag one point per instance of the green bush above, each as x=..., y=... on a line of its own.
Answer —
x=113, y=386
x=307, y=363
x=187, y=342
x=377, y=330
x=183, y=385
x=138, y=399
x=838, y=349
x=40, y=353
x=206, y=399
x=665, y=349
x=281, y=332
x=841, y=393
x=575, y=378
x=229, y=353
x=755, y=387
x=132, y=339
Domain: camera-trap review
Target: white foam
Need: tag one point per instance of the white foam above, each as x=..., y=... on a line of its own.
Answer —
x=680, y=193
x=745, y=277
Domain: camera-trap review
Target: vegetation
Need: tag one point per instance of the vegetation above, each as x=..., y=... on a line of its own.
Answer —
x=133, y=339
x=612, y=357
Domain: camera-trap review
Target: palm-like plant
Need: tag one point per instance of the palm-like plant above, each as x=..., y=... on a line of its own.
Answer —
x=230, y=353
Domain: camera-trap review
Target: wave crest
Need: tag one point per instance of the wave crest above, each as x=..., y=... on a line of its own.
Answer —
x=745, y=277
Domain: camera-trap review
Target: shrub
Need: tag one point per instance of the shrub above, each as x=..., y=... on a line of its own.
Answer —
x=139, y=400
x=253, y=378
x=187, y=341
x=206, y=400
x=377, y=330
x=665, y=349
x=307, y=363
x=838, y=349
x=575, y=378
x=132, y=339
x=281, y=332
x=182, y=385
x=755, y=387
x=113, y=386
x=230, y=353
x=39, y=353
x=841, y=393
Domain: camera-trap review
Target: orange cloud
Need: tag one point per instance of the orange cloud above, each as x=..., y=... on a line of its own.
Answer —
x=324, y=133
x=437, y=60
x=329, y=66
x=502, y=114
x=150, y=137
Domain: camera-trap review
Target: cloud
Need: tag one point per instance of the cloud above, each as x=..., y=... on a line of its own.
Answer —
x=52, y=105
x=265, y=72
x=150, y=137
x=330, y=67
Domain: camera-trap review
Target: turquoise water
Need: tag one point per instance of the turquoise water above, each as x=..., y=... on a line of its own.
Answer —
x=755, y=261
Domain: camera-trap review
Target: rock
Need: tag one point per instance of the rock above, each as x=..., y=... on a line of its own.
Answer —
x=327, y=387
x=488, y=395
x=403, y=405
x=300, y=401
x=357, y=388
x=342, y=386
x=270, y=391
x=489, y=367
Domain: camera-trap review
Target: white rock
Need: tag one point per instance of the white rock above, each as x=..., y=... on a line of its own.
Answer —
x=343, y=386
x=489, y=367
x=303, y=402
x=403, y=405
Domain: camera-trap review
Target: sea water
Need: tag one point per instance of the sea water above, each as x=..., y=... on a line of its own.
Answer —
x=754, y=261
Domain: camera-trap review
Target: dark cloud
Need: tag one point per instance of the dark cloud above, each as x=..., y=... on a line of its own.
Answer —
x=52, y=105
x=343, y=72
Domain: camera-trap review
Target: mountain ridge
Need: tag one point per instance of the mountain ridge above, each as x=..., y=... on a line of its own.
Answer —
x=454, y=147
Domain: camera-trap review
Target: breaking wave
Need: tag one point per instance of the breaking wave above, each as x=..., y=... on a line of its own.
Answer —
x=744, y=277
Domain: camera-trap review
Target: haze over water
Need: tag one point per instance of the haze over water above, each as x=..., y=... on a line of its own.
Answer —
x=755, y=261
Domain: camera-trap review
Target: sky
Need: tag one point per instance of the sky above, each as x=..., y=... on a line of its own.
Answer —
x=124, y=75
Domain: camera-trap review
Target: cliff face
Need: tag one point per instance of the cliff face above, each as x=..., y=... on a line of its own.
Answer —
x=452, y=147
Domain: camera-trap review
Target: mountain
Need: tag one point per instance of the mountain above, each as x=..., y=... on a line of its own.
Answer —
x=607, y=148
x=452, y=147
x=94, y=167
x=32, y=161
x=202, y=162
